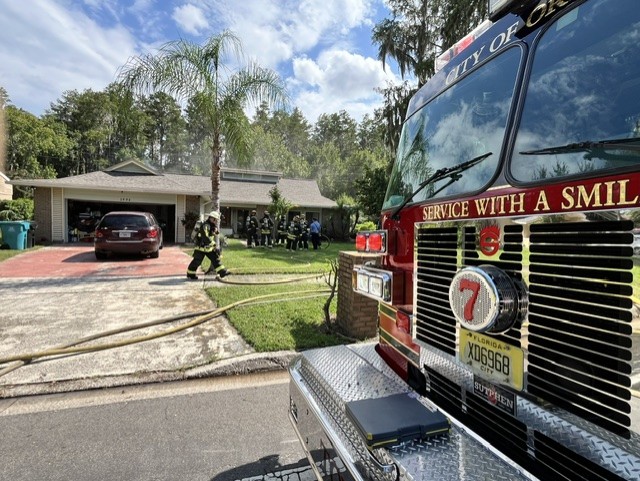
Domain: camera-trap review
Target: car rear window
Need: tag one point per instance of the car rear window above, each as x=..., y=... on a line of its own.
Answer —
x=120, y=221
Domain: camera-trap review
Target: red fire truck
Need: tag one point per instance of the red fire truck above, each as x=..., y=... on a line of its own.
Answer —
x=508, y=280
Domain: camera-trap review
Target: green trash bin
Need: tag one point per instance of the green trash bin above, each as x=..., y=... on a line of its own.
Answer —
x=14, y=233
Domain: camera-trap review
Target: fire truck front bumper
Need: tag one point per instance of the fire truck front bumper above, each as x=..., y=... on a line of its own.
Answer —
x=322, y=381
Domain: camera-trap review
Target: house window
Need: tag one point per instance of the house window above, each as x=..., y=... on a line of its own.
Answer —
x=225, y=221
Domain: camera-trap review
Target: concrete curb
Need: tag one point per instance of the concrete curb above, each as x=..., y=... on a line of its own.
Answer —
x=248, y=364
x=241, y=365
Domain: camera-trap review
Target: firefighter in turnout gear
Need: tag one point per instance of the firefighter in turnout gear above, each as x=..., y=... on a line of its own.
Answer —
x=282, y=231
x=266, y=227
x=303, y=242
x=205, y=240
x=293, y=234
x=252, y=230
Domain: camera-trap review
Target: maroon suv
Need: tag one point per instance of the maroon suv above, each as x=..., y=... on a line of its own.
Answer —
x=128, y=233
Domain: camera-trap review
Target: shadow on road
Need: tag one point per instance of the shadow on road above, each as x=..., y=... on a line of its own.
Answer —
x=268, y=468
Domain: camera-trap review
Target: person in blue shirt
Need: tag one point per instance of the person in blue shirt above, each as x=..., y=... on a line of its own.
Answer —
x=314, y=229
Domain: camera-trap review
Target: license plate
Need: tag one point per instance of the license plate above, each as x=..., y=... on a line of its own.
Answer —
x=125, y=234
x=491, y=359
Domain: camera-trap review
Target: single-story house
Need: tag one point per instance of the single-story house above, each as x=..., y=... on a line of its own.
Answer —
x=66, y=209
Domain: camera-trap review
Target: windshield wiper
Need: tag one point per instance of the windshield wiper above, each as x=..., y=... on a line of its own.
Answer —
x=454, y=174
x=587, y=145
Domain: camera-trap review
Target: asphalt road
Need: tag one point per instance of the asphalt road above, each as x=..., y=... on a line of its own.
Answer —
x=218, y=429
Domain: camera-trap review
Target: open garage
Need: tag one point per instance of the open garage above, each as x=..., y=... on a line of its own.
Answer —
x=83, y=215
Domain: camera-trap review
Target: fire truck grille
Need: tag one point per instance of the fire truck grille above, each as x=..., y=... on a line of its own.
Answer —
x=577, y=336
x=437, y=263
x=504, y=432
x=580, y=288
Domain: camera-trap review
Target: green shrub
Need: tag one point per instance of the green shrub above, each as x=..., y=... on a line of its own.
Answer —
x=189, y=220
x=19, y=209
x=368, y=225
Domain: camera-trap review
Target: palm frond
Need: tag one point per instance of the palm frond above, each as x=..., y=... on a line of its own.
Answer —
x=255, y=84
x=236, y=129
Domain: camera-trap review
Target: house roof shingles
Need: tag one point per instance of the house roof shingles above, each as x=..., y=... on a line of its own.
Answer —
x=299, y=192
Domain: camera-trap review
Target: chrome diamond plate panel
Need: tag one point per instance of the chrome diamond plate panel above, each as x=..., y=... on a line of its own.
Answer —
x=362, y=380
x=340, y=374
x=456, y=457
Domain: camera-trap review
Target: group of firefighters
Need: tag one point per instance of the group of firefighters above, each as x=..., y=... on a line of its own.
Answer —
x=294, y=235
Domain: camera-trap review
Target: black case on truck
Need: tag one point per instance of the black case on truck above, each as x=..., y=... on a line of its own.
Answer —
x=394, y=419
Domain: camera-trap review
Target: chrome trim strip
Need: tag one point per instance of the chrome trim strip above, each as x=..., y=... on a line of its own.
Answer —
x=411, y=356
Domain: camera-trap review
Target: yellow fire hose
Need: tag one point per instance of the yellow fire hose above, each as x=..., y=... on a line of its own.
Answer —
x=200, y=317
x=100, y=347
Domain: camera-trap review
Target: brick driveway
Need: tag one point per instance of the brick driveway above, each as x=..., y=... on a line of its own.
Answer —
x=78, y=260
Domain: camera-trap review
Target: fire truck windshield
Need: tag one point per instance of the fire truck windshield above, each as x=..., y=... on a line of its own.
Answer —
x=454, y=174
x=584, y=84
x=467, y=120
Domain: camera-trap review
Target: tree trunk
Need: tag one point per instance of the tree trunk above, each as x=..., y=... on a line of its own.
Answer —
x=216, y=157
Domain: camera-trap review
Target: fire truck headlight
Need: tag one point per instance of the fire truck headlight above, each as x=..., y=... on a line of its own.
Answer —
x=374, y=283
x=376, y=286
x=362, y=282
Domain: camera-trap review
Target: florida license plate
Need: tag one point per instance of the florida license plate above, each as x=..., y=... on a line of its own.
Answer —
x=493, y=360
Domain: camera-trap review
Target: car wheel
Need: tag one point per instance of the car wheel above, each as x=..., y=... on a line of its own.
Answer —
x=100, y=255
x=155, y=255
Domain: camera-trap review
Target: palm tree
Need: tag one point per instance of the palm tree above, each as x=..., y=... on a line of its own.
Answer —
x=198, y=74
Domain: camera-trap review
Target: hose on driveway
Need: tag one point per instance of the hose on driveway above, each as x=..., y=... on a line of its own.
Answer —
x=200, y=317
x=73, y=348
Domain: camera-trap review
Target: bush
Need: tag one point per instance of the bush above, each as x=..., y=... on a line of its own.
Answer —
x=19, y=209
x=189, y=220
x=368, y=225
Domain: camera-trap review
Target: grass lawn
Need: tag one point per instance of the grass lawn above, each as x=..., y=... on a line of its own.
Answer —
x=8, y=253
x=261, y=260
x=287, y=321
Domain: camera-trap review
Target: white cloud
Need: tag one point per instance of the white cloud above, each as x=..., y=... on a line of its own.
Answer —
x=62, y=50
x=190, y=18
x=273, y=31
x=337, y=80
x=310, y=40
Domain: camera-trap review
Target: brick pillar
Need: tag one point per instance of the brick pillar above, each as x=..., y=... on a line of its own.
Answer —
x=357, y=315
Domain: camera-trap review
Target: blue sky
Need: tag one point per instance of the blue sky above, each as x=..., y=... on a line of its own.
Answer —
x=321, y=48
